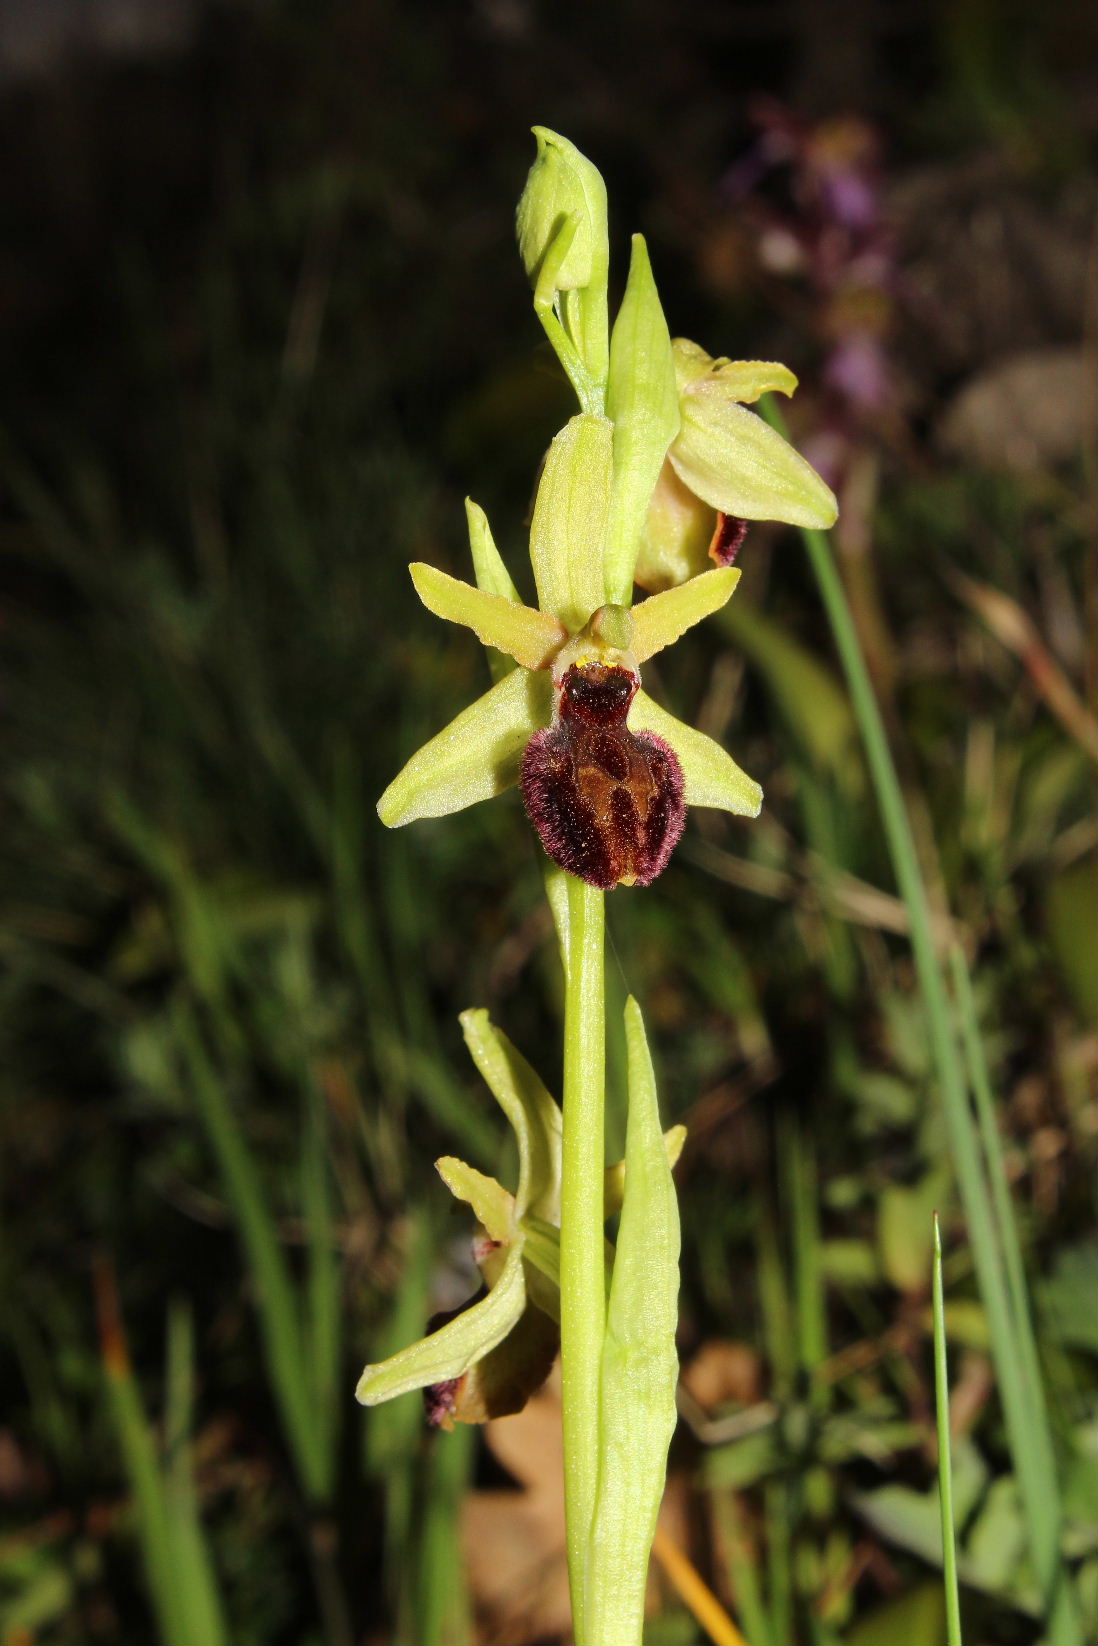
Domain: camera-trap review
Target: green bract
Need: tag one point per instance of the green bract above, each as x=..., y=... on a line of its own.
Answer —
x=643, y=403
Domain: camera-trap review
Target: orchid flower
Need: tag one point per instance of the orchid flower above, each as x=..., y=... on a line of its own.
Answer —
x=723, y=468
x=606, y=772
x=490, y=1356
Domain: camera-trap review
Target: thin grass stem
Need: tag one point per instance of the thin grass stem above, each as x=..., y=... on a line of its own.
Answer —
x=980, y=1082
x=945, y=1454
x=1025, y=1415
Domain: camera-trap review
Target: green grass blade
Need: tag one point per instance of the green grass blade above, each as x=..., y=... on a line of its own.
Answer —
x=750, y=1607
x=193, y=1579
x=276, y=1299
x=945, y=1457
x=441, y=1599
x=995, y=1166
x=139, y=1457
x=1030, y=1443
x=323, y=1316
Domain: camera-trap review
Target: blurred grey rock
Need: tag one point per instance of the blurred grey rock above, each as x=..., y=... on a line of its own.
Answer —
x=1029, y=411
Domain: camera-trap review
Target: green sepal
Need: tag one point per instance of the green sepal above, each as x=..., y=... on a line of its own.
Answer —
x=534, y=1116
x=455, y=1347
x=568, y=531
x=662, y=618
x=476, y=756
x=732, y=460
x=639, y=1365
x=493, y=1206
x=564, y=245
x=711, y=776
x=643, y=402
x=488, y=568
x=530, y=637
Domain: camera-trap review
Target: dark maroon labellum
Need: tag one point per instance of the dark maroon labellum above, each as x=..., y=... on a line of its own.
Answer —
x=440, y=1403
x=607, y=802
x=727, y=538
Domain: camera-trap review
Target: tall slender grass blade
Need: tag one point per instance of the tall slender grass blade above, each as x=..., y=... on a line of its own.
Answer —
x=945, y=1458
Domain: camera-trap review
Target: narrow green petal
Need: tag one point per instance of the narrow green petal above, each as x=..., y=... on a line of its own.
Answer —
x=643, y=402
x=639, y=1365
x=455, y=1347
x=712, y=776
x=743, y=380
x=614, y=1179
x=747, y=380
x=534, y=1116
x=530, y=637
x=568, y=531
x=488, y=568
x=493, y=1206
x=735, y=462
x=662, y=618
x=475, y=757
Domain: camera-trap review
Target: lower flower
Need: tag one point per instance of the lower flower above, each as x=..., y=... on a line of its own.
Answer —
x=485, y=1359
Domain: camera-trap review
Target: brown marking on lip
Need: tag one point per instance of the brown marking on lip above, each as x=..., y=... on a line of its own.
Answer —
x=607, y=802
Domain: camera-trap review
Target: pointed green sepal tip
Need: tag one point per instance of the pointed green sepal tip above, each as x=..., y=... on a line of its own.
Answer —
x=488, y=567
x=493, y=1207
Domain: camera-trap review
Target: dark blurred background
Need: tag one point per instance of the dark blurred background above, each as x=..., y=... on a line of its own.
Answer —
x=262, y=328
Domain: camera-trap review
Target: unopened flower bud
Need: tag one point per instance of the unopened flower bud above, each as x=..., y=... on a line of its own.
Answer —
x=564, y=196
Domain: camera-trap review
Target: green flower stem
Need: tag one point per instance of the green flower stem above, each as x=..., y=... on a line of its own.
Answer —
x=1023, y=1406
x=582, y=1259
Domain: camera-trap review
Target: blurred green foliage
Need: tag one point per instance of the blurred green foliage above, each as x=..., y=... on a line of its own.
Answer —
x=298, y=336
